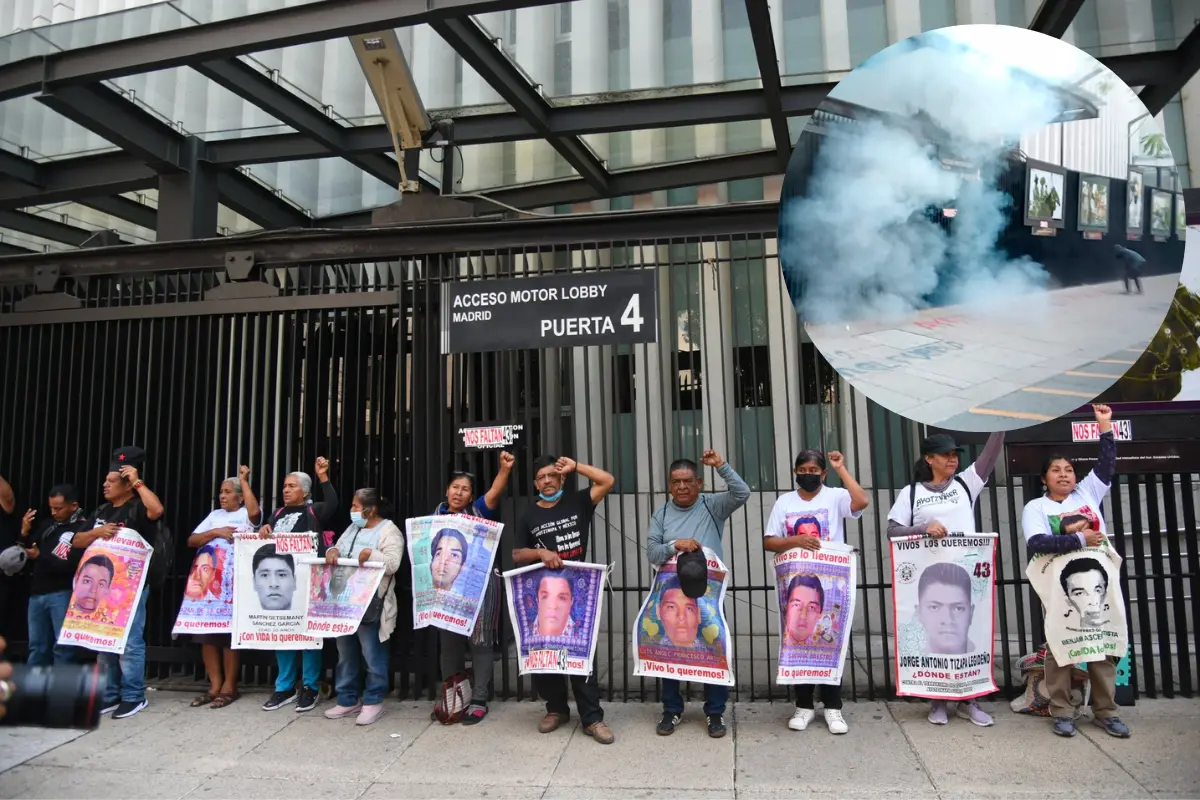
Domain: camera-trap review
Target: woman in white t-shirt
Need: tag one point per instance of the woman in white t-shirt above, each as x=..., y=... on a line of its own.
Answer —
x=1069, y=517
x=237, y=509
x=812, y=514
x=941, y=500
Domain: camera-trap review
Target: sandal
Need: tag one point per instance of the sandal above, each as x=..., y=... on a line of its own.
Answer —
x=202, y=700
x=223, y=699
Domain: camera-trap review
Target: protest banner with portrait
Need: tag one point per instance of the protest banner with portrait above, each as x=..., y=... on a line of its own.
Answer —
x=105, y=592
x=816, y=591
x=943, y=593
x=270, y=591
x=556, y=616
x=452, y=557
x=338, y=595
x=1085, y=608
x=684, y=638
x=207, y=605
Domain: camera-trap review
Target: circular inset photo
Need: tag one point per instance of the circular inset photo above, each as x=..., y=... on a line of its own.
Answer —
x=979, y=228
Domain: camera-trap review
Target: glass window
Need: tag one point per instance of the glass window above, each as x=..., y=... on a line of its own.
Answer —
x=740, y=60
x=1011, y=12
x=684, y=439
x=677, y=50
x=683, y=196
x=1176, y=133
x=747, y=190
x=618, y=45
x=867, y=23
x=803, y=45
x=890, y=467
x=753, y=415
x=562, y=68
x=1086, y=28
x=624, y=419
x=937, y=14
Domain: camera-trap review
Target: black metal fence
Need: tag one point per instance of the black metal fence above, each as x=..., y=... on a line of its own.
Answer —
x=346, y=363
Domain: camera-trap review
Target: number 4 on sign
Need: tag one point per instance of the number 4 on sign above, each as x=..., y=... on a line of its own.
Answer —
x=632, y=315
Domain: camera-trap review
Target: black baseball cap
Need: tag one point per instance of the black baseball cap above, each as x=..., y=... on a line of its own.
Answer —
x=939, y=444
x=692, y=570
x=129, y=456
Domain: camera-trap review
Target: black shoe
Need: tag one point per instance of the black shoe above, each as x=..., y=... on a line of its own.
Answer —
x=128, y=708
x=279, y=700
x=308, y=700
x=110, y=708
x=666, y=725
x=716, y=726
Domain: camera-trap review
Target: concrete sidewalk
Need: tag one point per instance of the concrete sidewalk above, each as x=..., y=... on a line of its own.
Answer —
x=172, y=751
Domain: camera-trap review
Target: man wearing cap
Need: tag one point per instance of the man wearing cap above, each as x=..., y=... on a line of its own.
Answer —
x=128, y=503
x=689, y=522
x=941, y=500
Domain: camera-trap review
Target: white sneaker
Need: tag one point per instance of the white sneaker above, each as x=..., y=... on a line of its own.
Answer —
x=835, y=721
x=801, y=718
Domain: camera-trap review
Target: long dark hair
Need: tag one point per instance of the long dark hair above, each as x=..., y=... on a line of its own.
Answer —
x=922, y=471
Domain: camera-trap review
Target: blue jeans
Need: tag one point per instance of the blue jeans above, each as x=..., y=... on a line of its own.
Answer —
x=715, y=697
x=353, y=650
x=125, y=674
x=46, y=613
x=289, y=669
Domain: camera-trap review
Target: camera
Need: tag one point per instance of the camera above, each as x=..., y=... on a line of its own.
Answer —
x=68, y=696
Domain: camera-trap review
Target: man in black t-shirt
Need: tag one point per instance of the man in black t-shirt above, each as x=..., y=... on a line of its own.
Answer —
x=554, y=528
x=129, y=503
x=48, y=545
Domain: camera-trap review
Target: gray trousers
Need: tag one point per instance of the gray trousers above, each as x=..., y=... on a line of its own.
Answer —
x=454, y=660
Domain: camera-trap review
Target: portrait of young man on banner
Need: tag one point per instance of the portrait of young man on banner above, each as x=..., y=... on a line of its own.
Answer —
x=452, y=557
x=681, y=631
x=1085, y=608
x=816, y=590
x=105, y=591
x=339, y=594
x=943, y=592
x=207, y=605
x=270, y=591
x=556, y=616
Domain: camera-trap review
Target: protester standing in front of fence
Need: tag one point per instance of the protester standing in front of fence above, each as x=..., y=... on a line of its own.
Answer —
x=804, y=518
x=128, y=503
x=554, y=528
x=1065, y=495
x=300, y=514
x=461, y=499
x=372, y=536
x=237, y=509
x=941, y=500
x=687, y=522
x=48, y=545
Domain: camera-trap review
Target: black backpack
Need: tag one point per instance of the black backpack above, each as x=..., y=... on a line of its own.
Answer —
x=162, y=562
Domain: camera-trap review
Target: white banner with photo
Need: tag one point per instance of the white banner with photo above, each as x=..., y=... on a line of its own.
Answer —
x=556, y=616
x=451, y=557
x=339, y=594
x=943, y=592
x=271, y=584
x=1085, y=609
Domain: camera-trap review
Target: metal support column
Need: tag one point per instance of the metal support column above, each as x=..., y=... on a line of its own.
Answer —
x=187, y=201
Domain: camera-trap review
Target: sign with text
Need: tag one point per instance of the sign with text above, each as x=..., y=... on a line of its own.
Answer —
x=487, y=436
x=1090, y=431
x=559, y=310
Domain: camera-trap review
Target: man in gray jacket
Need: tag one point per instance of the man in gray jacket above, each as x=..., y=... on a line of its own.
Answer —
x=1133, y=264
x=691, y=521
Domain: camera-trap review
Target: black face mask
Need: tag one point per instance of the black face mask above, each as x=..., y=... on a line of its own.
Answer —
x=808, y=482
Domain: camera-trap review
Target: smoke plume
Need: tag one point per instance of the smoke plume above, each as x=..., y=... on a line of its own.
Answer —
x=862, y=243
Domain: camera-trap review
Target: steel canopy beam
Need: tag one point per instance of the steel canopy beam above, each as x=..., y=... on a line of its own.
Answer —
x=20, y=168
x=1186, y=63
x=1055, y=16
x=120, y=121
x=257, y=203
x=124, y=208
x=248, y=83
x=1143, y=69
x=85, y=176
x=7, y=249
x=759, y=15
x=478, y=50
x=45, y=228
x=285, y=27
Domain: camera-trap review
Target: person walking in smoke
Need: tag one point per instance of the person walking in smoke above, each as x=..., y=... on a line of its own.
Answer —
x=1133, y=264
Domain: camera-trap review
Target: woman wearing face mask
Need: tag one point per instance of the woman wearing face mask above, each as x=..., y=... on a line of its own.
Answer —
x=804, y=518
x=1050, y=524
x=372, y=536
x=941, y=500
x=460, y=499
x=237, y=510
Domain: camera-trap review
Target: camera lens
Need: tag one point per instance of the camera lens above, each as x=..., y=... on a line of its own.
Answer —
x=68, y=696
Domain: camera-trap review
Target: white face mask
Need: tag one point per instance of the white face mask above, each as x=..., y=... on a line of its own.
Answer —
x=357, y=519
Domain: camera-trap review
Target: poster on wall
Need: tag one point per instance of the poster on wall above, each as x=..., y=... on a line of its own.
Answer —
x=105, y=592
x=1135, y=210
x=1044, y=195
x=943, y=592
x=816, y=591
x=1093, y=204
x=1161, y=214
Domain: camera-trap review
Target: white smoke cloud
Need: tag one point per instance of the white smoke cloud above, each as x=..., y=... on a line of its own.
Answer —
x=859, y=244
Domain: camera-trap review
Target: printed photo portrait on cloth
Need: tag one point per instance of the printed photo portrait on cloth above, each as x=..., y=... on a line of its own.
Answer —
x=816, y=591
x=1085, y=607
x=105, y=591
x=1076, y=521
x=809, y=522
x=681, y=637
x=207, y=605
x=452, y=557
x=943, y=591
x=339, y=594
x=270, y=591
x=556, y=615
